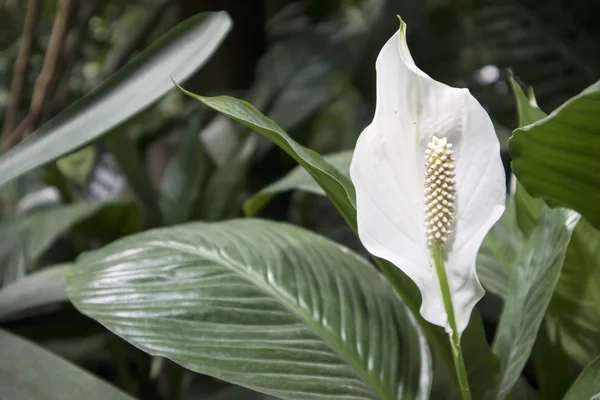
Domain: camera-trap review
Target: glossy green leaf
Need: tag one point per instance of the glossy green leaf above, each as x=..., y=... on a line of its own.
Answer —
x=336, y=185
x=532, y=284
x=28, y=372
x=79, y=165
x=557, y=158
x=38, y=289
x=176, y=55
x=587, y=386
x=262, y=304
x=180, y=185
x=25, y=237
x=297, y=179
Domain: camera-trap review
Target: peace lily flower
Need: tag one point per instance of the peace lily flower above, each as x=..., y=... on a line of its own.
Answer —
x=429, y=182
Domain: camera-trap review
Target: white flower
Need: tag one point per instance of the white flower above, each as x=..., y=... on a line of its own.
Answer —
x=427, y=172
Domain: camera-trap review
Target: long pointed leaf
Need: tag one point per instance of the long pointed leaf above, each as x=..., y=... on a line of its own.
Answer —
x=140, y=83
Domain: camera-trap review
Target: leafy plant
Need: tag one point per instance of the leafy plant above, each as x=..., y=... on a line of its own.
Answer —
x=164, y=242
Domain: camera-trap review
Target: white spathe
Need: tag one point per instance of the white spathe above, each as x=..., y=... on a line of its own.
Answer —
x=387, y=170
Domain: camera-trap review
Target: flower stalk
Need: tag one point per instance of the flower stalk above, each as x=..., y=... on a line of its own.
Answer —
x=459, y=361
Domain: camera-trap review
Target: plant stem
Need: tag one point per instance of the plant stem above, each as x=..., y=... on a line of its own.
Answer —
x=459, y=362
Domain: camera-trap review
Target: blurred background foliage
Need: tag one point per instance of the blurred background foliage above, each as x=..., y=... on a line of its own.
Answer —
x=307, y=64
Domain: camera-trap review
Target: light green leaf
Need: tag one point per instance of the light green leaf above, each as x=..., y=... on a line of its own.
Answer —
x=587, y=386
x=336, y=185
x=297, y=179
x=177, y=55
x=25, y=237
x=532, y=283
x=79, y=165
x=29, y=372
x=38, y=289
x=557, y=157
x=262, y=304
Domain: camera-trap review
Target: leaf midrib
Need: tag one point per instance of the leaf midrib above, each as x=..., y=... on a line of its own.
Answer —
x=354, y=362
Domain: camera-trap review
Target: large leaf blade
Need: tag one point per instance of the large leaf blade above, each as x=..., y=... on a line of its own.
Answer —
x=140, y=83
x=261, y=304
x=30, y=372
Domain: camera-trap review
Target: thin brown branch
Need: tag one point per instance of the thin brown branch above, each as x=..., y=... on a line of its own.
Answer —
x=49, y=68
x=20, y=67
x=70, y=53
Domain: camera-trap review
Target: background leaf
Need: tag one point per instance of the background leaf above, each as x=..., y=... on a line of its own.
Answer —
x=221, y=197
x=261, y=304
x=587, y=386
x=131, y=165
x=527, y=209
x=180, y=184
x=575, y=306
x=38, y=289
x=134, y=87
x=337, y=186
x=297, y=179
x=30, y=372
x=78, y=165
x=25, y=237
x=499, y=252
x=557, y=157
x=532, y=283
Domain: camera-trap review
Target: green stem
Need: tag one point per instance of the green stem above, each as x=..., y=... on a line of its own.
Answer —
x=459, y=361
